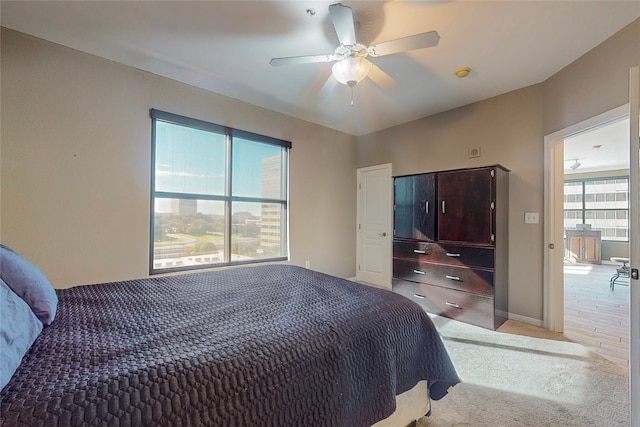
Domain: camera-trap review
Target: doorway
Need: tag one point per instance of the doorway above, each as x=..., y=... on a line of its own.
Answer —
x=596, y=238
x=553, y=311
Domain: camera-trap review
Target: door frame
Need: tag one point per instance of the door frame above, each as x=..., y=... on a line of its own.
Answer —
x=553, y=289
x=389, y=231
x=634, y=238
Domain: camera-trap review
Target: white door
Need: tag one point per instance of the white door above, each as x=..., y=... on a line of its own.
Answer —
x=374, y=236
x=634, y=247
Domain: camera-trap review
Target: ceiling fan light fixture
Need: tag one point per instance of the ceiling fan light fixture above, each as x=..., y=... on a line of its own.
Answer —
x=351, y=70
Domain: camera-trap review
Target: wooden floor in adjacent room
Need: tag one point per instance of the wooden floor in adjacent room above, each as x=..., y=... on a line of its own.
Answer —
x=595, y=315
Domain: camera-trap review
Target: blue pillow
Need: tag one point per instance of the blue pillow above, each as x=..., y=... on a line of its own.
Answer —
x=29, y=283
x=19, y=328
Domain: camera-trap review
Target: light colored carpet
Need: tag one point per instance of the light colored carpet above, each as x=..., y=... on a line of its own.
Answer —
x=522, y=376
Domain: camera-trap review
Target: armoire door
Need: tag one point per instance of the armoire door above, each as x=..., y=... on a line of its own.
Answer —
x=415, y=207
x=465, y=212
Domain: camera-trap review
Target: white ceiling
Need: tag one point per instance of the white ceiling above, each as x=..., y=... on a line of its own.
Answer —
x=601, y=149
x=225, y=47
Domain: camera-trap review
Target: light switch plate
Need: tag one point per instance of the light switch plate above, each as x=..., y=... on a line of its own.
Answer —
x=531, y=218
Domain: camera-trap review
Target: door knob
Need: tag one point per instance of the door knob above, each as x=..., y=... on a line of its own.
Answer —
x=383, y=234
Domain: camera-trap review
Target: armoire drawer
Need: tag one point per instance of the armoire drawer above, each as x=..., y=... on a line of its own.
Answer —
x=424, y=251
x=465, y=307
x=469, y=256
x=474, y=280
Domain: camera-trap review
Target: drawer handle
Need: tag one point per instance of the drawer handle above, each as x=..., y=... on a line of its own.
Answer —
x=419, y=272
x=456, y=278
x=418, y=251
x=451, y=254
x=419, y=296
x=454, y=305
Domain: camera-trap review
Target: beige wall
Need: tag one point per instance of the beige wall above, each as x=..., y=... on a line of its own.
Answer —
x=510, y=130
x=593, y=84
x=75, y=183
x=75, y=158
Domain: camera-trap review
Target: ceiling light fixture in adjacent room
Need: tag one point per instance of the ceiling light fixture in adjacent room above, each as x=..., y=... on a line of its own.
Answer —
x=575, y=165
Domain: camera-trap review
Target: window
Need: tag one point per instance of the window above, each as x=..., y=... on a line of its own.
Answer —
x=218, y=195
x=601, y=203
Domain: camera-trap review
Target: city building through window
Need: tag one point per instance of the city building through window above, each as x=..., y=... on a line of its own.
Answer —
x=218, y=195
x=602, y=203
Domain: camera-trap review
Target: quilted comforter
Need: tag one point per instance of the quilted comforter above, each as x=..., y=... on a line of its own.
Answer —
x=253, y=346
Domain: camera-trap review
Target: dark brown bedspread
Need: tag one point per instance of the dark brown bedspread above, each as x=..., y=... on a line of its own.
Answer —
x=256, y=346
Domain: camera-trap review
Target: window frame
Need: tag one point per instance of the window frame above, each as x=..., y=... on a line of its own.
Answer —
x=227, y=198
x=586, y=198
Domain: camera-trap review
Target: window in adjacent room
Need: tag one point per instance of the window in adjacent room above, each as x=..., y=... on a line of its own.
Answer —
x=602, y=203
x=218, y=195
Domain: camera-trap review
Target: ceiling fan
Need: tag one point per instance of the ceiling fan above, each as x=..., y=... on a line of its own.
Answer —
x=352, y=65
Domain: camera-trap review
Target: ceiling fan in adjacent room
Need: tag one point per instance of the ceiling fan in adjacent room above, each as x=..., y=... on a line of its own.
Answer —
x=352, y=65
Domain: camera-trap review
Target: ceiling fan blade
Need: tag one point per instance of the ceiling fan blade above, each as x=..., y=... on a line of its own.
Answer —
x=342, y=17
x=382, y=79
x=295, y=60
x=417, y=41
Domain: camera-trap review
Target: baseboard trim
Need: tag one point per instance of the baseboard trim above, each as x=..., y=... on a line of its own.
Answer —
x=525, y=319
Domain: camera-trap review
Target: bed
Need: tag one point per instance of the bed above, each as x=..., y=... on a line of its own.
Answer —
x=248, y=346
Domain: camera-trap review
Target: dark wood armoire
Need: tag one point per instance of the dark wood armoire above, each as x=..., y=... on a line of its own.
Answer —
x=450, y=247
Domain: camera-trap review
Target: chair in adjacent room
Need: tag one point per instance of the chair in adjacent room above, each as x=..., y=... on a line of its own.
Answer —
x=622, y=271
